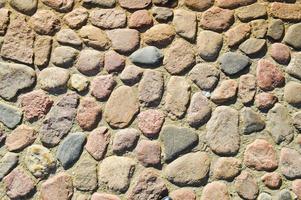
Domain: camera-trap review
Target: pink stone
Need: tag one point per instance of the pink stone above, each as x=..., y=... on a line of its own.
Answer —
x=238, y=34
x=272, y=180
x=102, y=86
x=246, y=186
x=296, y=187
x=247, y=88
x=215, y=190
x=265, y=101
x=104, y=196
x=124, y=40
x=114, y=62
x=280, y=53
x=150, y=122
x=148, y=152
x=97, y=142
x=183, y=193
x=140, y=19
x=134, y=4
x=225, y=92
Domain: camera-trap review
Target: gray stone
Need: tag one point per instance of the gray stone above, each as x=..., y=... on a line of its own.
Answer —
x=162, y=14
x=293, y=36
x=252, y=46
x=90, y=62
x=108, y=18
x=264, y=196
x=176, y=140
x=149, y=55
x=209, y=44
x=222, y=131
x=185, y=23
x=279, y=124
x=246, y=185
x=7, y=163
x=151, y=88
x=284, y=194
x=275, y=29
x=68, y=37
x=101, y=3
x=70, y=149
x=189, y=170
x=53, y=79
x=205, y=76
x=64, y=56
x=13, y=78
x=125, y=140
x=251, y=121
x=39, y=161
x=290, y=163
x=259, y=28
x=10, y=116
x=131, y=74
x=294, y=67
x=177, y=96
x=232, y=63
x=59, y=120
x=25, y=6
x=251, y=12
x=297, y=120
x=292, y=92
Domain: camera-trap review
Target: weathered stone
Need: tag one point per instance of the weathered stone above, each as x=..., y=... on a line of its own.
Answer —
x=88, y=113
x=162, y=14
x=59, y=120
x=185, y=23
x=179, y=57
x=53, y=79
x=4, y=21
x=246, y=186
x=159, y=35
x=124, y=40
x=238, y=34
x=140, y=19
x=209, y=45
x=18, y=41
x=252, y=46
x=176, y=140
x=297, y=120
x=217, y=19
x=269, y=76
x=26, y=7
x=149, y=55
x=131, y=74
x=7, y=163
x=205, y=76
x=296, y=187
x=259, y=28
x=114, y=62
x=121, y=107
x=251, y=121
x=134, y=4
x=10, y=116
x=64, y=56
x=198, y=5
x=222, y=131
x=177, y=96
x=149, y=186
x=280, y=53
x=265, y=101
x=279, y=124
x=125, y=140
x=247, y=88
x=225, y=92
x=102, y=86
x=148, y=153
x=292, y=36
x=85, y=174
x=101, y=3
x=115, y=173
x=275, y=29
x=183, y=193
x=42, y=50
x=189, y=170
x=290, y=163
x=108, y=18
x=39, y=161
x=76, y=18
x=103, y=196
x=18, y=184
x=59, y=5
x=151, y=88
x=150, y=122
x=94, y=37
x=70, y=149
x=215, y=190
x=97, y=142
x=68, y=37
x=45, y=22
x=264, y=196
x=284, y=194
x=233, y=3
x=13, y=78
x=199, y=110
x=251, y=12
x=78, y=82
x=58, y=187
x=226, y=168
x=90, y=62
x=285, y=11
x=294, y=68
x=292, y=93
x=20, y=138
x=272, y=180
x=232, y=63
x=260, y=155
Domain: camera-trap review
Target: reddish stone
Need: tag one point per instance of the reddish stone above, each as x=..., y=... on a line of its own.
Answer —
x=233, y=3
x=268, y=75
x=225, y=92
x=148, y=152
x=296, y=187
x=150, y=122
x=272, y=180
x=114, y=62
x=45, y=22
x=215, y=190
x=198, y=5
x=125, y=140
x=88, y=113
x=217, y=19
x=18, y=184
x=285, y=11
x=77, y=18
x=140, y=19
x=238, y=34
x=104, y=196
x=159, y=35
x=225, y=168
x=134, y=4
x=183, y=193
x=265, y=101
x=247, y=88
x=280, y=53
x=124, y=40
x=102, y=86
x=20, y=138
x=35, y=104
x=246, y=186
x=58, y=187
x=97, y=142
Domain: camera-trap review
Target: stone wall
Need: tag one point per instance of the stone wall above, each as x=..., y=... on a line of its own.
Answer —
x=144, y=100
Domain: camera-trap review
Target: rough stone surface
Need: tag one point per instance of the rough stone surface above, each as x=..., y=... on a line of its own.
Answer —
x=42, y=50
x=68, y=37
x=183, y=193
x=291, y=93
x=64, y=56
x=90, y=62
x=114, y=62
x=134, y=4
x=149, y=55
x=198, y=5
x=251, y=121
x=94, y=37
x=76, y=18
x=265, y=101
x=148, y=153
x=159, y=35
x=124, y=40
x=45, y=22
x=215, y=190
x=125, y=140
x=290, y=163
x=150, y=122
x=102, y=86
x=280, y=53
x=209, y=44
x=251, y=12
x=78, y=82
x=292, y=37
x=7, y=163
x=140, y=19
x=226, y=91
x=246, y=186
x=10, y=116
x=108, y=18
x=53, y=79
x=59, y=5
x=275, y=29
x=294, y=68
x=26, y=7
x=20, y=138
x=247, y=88
x=162, y=14
x=285, y=11
x=233, y=3
x=238, y=34
x=252, y=46
x=97, y=142
x=185, y=24
x=272, y=180
x=131, y=74
x=4, y=13
x=226, y=168
x=296, y=187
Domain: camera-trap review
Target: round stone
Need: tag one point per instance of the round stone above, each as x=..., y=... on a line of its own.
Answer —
x=265, y=101
x=292, y=93
x=162, y=14
x=226, y=168
x=125, y=140
x=102, y=86
x=159, y=35
x=209, y=49
x=64, y=56
x=232, y=63
x=225, y=92
x=183, y=193
x=238, y=34
x=149, y=55
x=252, y=46
x=114, y=62
x=198, y=5
x=215, y=190
x=90, y=62
x=68, y=37
x=108, y=18
x=131, y=74
x=134, y=4
x=59, y=5
x=280, y=53
x=272, y=180
x=140, y=19
x=53, y=79
x=94, y=37
x=26, y=6
x=124, y=40
x=246, y=185
x=292, y=36
x=148, y=153
x=150, y=122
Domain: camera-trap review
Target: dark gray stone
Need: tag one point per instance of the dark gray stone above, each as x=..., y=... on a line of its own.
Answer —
x=70, y=149
x=10, y=116
x=251, y=121
x=232, y=63
x=149, y=55
x=7, y=163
